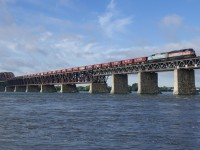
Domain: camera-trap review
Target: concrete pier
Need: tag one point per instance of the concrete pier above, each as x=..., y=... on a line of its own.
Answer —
x=2, y=87
x=9, y=89
x=20, y=89
x=32, y=88
x=98, y=88
x=148, y=83
x=184, y=82
x=47, y=89
x=68, y=88
x=119, y=84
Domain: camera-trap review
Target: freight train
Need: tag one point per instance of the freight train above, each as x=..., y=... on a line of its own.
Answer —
x=176, y=54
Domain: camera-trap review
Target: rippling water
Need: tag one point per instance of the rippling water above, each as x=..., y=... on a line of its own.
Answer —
x=38, y=121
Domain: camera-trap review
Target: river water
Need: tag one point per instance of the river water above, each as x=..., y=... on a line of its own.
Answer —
x=56, y=121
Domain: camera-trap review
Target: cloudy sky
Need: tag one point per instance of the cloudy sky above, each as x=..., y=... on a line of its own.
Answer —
x=43, y=35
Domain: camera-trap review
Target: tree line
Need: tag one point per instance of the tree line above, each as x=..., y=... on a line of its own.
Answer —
x=133, y=87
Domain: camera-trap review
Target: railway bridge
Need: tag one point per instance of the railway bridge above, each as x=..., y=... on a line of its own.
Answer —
x=184, y=78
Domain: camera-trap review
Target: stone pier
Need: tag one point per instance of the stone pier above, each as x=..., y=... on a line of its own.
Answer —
x=2, y=87
x=119, y=84
x=68, y=88
x=148, y=83
x=20, y=89
x=47, y=88
x=184, y=82
x=9, y=89
x=32, y=88
x=99, y=88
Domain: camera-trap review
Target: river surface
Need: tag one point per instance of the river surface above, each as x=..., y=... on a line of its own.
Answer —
x=56, y=121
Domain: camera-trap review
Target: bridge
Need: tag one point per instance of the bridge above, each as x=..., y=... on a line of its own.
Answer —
x=184, y=78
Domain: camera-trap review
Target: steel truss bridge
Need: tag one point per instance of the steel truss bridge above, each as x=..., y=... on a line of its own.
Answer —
x=101, y=75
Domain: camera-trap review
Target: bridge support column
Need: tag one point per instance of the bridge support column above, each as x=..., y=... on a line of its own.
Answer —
x=148, y=83
x=9, y=89
x=32, y=88
x=20, y=89
x=184, y=82
x=119, y=84
x=47, y=88
x=98, y=88
x=68, y=88
x=2, y=87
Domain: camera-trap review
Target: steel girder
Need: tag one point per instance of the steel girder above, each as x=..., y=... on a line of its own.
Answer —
x=62, y=78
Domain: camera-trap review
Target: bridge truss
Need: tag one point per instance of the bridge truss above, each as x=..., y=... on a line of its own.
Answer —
x=170, y=65
x=101, y=75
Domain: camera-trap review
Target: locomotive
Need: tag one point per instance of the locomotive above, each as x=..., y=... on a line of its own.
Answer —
x=175, y=54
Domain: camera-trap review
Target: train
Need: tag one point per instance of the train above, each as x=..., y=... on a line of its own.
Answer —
x=165, y=56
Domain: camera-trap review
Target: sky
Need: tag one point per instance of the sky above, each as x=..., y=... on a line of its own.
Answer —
x=43, y=35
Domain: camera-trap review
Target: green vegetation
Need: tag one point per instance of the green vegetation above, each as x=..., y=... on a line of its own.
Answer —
x=58, y=87
x=133, y=87
x=83, y=88
x=166, y=89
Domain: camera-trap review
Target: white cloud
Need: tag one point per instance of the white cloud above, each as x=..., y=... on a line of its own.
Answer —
x=111, y=22
x=171, y=21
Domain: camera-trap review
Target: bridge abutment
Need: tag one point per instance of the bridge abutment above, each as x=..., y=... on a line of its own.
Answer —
x=20, y=89
x=47, y=88
x=68, y=88
x=32, y=88
x=98, y=88
x=148, y=83
x=9, y=89
x=119, y=84
x=184, y=82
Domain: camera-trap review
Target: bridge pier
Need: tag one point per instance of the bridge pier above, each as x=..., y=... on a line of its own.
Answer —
x=47, y=88
x=148, y=83
x=2, y=87
x=68, y=88
x=32, y=88
x=9, y=89
x=184, y=82
x=98, y=88
x=119, y=84
x=20, y=89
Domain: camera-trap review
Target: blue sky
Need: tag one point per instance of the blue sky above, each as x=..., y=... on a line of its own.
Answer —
x=43, y=35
